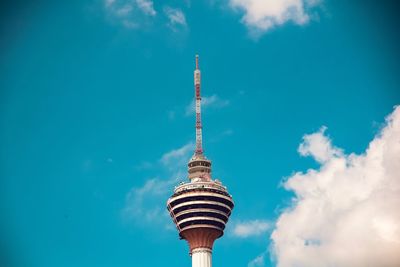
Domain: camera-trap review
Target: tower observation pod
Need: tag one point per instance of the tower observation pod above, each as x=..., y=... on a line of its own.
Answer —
x=201, y=207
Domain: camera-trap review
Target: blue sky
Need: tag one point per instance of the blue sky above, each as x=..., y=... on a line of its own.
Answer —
x=96, y=125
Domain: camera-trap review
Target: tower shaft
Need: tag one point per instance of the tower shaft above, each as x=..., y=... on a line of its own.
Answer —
x=201, y=257
x=197, y=85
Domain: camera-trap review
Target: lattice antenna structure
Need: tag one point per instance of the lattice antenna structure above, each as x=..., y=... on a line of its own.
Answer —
x=197, y=88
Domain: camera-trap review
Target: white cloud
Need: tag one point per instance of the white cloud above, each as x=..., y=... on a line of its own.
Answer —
x=346, y=214
x=263, y=15
x=146, y=203
x=177, y=157
x=251, y=228
x=108, y=3
x=144, y=165
x=227, y=132
x=124, y=11
x=130, y=13
x=146, y=6
x=319, y=146
x=213, y=101
x=129, y=24
x=176, y=17
x=143, y=203
x=257, y=262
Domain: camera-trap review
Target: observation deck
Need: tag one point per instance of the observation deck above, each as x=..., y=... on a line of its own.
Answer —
x=200, y=208
x=200, y=204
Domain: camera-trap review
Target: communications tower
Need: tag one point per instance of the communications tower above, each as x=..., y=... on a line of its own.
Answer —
x=201, y=207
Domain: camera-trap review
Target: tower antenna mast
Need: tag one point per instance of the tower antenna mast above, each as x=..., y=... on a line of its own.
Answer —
x=197, y=85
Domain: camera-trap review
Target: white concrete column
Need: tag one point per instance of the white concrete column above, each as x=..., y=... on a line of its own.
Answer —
x=201, y=257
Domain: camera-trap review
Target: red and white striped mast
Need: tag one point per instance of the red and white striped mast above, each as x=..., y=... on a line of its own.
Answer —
x=197, y=82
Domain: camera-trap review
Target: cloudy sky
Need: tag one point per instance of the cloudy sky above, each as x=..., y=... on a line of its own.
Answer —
x=300, y=121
